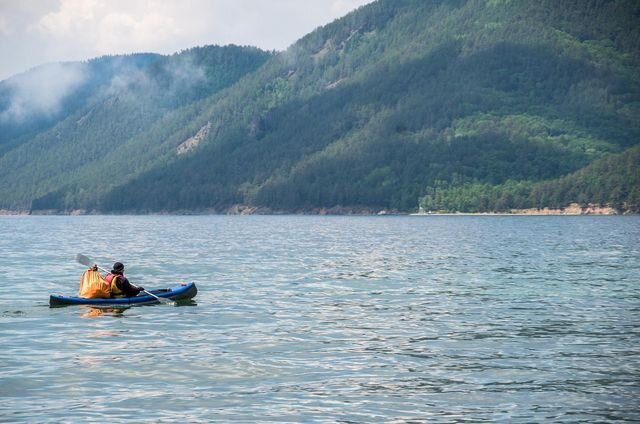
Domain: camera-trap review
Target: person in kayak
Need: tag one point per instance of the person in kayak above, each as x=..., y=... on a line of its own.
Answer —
x=120, y=285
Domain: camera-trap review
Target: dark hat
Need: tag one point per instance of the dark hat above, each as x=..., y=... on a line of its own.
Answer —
x=118, y=267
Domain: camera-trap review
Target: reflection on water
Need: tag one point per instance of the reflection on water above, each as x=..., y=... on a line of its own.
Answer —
x=327, y=319
x=98, y=311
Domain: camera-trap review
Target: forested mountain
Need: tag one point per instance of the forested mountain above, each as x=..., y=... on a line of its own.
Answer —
x=39, y=98
x=111, y=134
x=375, y=110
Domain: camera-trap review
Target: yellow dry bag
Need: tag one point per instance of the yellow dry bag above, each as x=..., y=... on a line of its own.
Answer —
x=92, y=285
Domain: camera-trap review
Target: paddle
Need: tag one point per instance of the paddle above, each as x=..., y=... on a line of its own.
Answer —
x=85, y=260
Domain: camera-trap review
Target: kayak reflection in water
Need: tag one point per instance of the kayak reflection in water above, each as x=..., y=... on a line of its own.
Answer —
x=92, y=312
x=120, y=285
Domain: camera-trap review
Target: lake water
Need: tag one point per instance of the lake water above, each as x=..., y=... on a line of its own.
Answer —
x=326, y=319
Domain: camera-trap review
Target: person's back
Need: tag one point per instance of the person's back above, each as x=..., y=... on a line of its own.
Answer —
x=120, y=285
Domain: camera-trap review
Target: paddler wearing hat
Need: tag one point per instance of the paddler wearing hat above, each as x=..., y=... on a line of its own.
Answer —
x=120, y=285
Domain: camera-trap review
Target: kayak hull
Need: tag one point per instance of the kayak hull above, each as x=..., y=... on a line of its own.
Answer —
x=182, y=292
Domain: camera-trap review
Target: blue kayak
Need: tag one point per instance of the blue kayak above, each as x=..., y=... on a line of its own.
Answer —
x=182, y=292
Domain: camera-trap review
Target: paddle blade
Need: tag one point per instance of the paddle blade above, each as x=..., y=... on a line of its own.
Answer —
x=84, y=260
x=160, y=299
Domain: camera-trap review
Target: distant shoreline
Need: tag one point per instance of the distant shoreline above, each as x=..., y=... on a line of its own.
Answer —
x=572, y=210
x=517, y=214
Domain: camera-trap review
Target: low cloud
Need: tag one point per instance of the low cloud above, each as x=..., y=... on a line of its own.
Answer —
x=37, y=32
x=109, y=31
x=119, y=32
x=71, y=16
x=341, y=7
x=185, y=72
x=4, y=26
x=169, y=77
x=41, y=91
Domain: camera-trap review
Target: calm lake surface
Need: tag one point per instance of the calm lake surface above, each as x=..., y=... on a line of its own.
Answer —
x=326, y=319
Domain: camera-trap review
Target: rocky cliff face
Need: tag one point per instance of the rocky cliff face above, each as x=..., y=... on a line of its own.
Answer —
x=192, y=142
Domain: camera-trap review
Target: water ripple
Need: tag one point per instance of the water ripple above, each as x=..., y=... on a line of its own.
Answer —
x=326, y=319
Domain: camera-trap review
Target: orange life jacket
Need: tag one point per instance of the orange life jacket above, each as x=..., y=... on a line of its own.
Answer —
x=112, y=279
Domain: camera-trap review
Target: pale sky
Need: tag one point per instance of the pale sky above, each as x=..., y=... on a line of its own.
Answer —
x=34, y=32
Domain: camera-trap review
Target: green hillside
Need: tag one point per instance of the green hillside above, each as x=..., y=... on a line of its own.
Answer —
x=113, y=136
x=613, y=181
x=41, y=97
x=369, y=112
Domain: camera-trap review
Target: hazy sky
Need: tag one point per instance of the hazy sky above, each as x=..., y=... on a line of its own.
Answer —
x=33, y=32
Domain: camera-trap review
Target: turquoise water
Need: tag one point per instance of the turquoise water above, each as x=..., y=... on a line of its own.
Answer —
x=326, y=319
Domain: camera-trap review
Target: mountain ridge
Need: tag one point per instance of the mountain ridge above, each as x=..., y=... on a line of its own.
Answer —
x=370, y=111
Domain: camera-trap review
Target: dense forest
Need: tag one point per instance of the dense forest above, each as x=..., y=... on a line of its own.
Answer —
x=451, y=105
x=122, y=129
x=613, y=181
